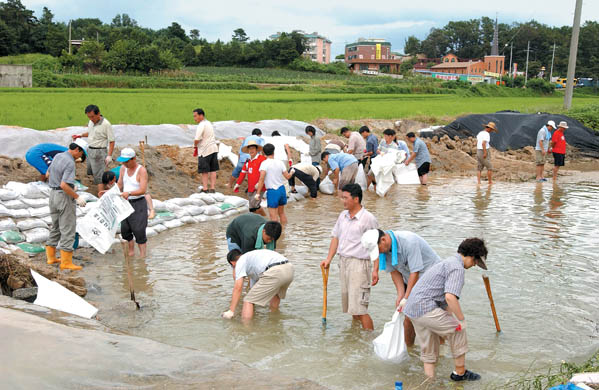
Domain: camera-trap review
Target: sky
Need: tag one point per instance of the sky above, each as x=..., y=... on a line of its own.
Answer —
x=342, y=21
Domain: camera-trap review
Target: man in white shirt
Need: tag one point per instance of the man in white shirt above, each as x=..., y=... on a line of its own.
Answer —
x=206, y=149
x=272, y=175
x=483, y=153
x=270, y=275
x=541, y=148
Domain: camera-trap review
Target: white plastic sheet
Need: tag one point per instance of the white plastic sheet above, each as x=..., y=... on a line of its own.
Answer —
x=54, y=296
x=361, y=178
x=406, y=175
x=390, y=345
x=326, y=186
x=382, y=167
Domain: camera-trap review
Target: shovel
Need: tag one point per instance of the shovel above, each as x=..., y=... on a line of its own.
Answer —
x=325, y=280
x=129, y=275
x=490, y=295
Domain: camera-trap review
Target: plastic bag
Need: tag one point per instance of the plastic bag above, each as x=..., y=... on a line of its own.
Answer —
x=361, y=178
x=326, y=186
x=391, y=345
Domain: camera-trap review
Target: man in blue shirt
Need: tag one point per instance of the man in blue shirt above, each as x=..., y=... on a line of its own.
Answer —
x=243, y=157
x=344, y=167
x=40, y=157
x=372, y=143
x=421, y=157
x=541, y=147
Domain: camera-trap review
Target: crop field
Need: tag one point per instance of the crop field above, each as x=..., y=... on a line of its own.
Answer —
x=46, y=108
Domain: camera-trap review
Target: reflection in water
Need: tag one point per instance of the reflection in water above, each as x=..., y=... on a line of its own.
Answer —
x=185, y=284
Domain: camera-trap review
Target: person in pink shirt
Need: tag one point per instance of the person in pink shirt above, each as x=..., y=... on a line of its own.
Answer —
x=355, y=268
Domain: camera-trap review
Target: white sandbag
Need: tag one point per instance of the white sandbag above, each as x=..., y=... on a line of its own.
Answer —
x=173, y=223
x=25, y=189
x=154, y=221
x=24, y=213
x=7, y=224
x=197, y=202
x=179, y=201
x=40, y=212
x=47, y=219
x=4, y=212
x=303, y=190
x=291, y=199
x=150, y=232
x=390, y=345
x=231, y=212
x=207, y=198
x=158, y=205
x=181, y=212
x=361, y=178
x=159, y=228
x=31, y=223
x=188, y=219
x=14, y=204
x=218, y=216
x=54, y=296
x=79, y=212
x=219, y=197
x=8, y=194
x=171, y=207
x=86, y=196
x=37, y=235
x=194, y=210
x=382, y=167
x=201, y=218
x=43, y=187
x=406, y=175
x=90, y=206
x=235, y=201
x=35, y=202
x=297, y=196
x=326, y=186
x=212, y=210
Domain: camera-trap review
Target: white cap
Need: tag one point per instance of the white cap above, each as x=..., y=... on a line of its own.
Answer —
x=370, y=243
x=552, y=124
x=563, y=124
x=82, y=144
x=126, y=155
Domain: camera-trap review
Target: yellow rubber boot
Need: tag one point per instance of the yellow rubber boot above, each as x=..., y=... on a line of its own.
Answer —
x=51, y=255
x=66, y=261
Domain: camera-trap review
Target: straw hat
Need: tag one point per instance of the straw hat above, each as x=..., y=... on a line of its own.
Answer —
x=251, y=143
x=563, y=125
x=492, y=126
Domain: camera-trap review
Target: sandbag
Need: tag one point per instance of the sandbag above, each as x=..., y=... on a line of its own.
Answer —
x=188, y=219
x=361, y=178
x=382, y=167
x=390, y=345
x=43, y=187
x=158, y=205
x=25, y=189
x=7, y=194
x=406, y=174
x=173, y=223
x=12, y=237
x=229, y=213
x=197, y=202
x=31, y=223
x=235, y=201
x=218, y=216
x=7, y=224
x=302, y=190
x=88, y=197
x=31, y=248
x=159, y=228
x=24, y=213
x=212, y=210
x=326, y=186
x=218, y=197
x=150, y=232
x=226, y=206
x=42, y=211
x=194, y=210
x=4, y=212
x=180, y=213
x=207, y=198
x=37, y=235
x=179, y=201
x=14, y=204
x=200, y=218
x=35, y=202
x=47, y=219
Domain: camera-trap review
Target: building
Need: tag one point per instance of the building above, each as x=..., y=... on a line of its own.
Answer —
x=372, y=55
x=318, y=47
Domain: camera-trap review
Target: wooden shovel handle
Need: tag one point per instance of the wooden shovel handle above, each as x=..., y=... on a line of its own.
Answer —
x=325, y=280
x=490, y=295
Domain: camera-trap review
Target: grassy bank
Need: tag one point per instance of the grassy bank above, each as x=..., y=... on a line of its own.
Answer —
x=52, y=108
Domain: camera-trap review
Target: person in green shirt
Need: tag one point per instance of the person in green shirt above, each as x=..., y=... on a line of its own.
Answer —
x=252, y=231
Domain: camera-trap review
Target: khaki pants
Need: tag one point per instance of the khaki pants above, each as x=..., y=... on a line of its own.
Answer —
x=348, y=175
x=355, y=275
x=275, y=281
x=96, y=163
x=483, y=162
x=539, y=157
x=433, y=326
x=64, y=221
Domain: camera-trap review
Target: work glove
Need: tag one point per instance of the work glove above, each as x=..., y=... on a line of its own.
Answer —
x=195, y=151
x=107, y=160
x=228, y=314
x=461, y=326
x=257, y=196
x=236, y=188
x=290, y=162
x=80, y=201
x=402, y=304
x=75, y=136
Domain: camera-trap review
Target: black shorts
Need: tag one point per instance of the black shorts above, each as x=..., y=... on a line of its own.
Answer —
x=135, y=224
x=559, y=159
x=424, y=169
x=208, y=163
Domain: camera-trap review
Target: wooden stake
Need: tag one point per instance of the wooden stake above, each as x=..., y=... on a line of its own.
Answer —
x=490, y=295
x=325, y=280
x=129, y=274
x=143, y=153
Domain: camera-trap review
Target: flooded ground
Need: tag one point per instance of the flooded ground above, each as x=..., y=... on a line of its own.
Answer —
x=543, y=269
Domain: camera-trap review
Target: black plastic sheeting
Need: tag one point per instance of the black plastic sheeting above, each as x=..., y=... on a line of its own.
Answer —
x=516, y=130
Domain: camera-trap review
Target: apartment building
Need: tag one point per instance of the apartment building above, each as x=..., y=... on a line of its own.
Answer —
x=318, y=47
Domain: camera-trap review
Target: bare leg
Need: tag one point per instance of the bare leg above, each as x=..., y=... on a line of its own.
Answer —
x=247, y=312
x=478, y=176
x=232, y=181
x=274, y=303
x=365, y=320
x=409, y=333
x=273, y=215
x=429, y=369
x=539, y=172
x=460, y=364
x=131, y=245
x=555, y=169
x=205, y=181
x=152, y=213
x=142, y=250
x=542, y=171
x=423, y=179
x=260, y=211
x=282, y=215
x=100, y=188
x=212, y=180
x=490, y=176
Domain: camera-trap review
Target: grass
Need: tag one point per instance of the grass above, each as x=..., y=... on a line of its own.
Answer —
x=45, y=108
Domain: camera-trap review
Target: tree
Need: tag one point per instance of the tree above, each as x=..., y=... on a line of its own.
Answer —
x=91, y=53
x=412, y=46
x=239, y=35
x=22, y=23
x=190, y=57
x=176, y=31
x=436, y=43
x=123, y=20
x=340, y=57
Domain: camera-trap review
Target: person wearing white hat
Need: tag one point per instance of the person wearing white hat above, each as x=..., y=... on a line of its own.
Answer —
x=558, y=148
x=63, y=200
x=541, y=147
x=133, y=182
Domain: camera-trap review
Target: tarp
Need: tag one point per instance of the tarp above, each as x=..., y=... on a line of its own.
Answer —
x=16, y=141
x=54, y=296
x=518, y=130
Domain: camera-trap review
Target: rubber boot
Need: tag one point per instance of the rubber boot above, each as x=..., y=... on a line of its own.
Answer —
x=66, y=261
x=51, y=255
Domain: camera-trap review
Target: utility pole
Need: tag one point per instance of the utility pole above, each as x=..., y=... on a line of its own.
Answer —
x=526, y=72
x=552, y=57
x=572, y=59
x=69, y=37
x=511, y=48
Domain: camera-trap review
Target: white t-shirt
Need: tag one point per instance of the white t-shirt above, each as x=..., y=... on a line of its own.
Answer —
x=483, y=136
x=308, y=169
x=254, y=263
x=274, y=173
x=205, y=134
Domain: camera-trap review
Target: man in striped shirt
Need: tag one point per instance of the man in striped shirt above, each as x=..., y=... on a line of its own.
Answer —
x=435, y=311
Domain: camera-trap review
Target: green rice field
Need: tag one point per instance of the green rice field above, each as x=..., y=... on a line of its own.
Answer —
x=47, y=108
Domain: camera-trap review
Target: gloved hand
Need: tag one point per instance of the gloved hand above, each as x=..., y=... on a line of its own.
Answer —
x=228, y=314
x=290, y=162
x=402, y=304
x=75, y=136
x=107, y=160
x=257, y=196
x=80, y=201
x=195, y=151
x=461, y=326
x=236, y=188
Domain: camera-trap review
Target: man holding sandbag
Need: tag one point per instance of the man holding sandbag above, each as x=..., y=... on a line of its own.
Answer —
x=435, y=311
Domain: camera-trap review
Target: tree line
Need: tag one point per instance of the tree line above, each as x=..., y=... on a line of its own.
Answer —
x=472, y=39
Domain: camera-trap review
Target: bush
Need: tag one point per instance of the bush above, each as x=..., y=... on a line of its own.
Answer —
x=541, y=86
x=70, y=62
x=304, y=64
x=587, y=115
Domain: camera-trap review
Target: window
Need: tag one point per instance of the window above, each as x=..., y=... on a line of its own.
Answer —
x=453, y=60
x=446, y=59
x=496, y=66
x=361, y=56
x=363, y=67
x=372, y=56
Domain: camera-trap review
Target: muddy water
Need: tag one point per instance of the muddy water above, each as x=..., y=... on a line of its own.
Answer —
x=542, y=266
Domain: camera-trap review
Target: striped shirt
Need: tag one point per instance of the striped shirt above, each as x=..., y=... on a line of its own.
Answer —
x=429, y=292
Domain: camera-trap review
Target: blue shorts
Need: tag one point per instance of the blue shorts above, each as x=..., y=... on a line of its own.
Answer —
x=276, y=198
x=237, y=169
